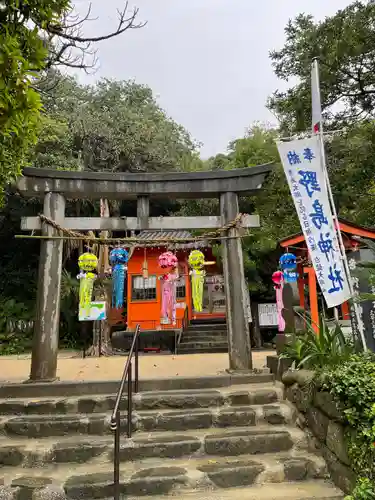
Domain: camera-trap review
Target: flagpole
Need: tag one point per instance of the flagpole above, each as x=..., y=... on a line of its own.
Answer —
x=330, y=195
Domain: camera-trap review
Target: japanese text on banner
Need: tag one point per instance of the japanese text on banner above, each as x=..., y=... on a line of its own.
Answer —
x=302, y=165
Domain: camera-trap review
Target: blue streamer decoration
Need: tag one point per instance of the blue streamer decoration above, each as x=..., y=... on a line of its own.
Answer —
x=118, y=259
x=288, y=263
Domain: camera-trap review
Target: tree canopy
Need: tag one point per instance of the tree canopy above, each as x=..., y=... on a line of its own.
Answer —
x=345, y=45
x=119, y=126
x=112, y=125
x=36, y=35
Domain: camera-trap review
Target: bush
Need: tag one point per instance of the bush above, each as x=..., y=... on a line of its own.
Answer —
x=352, y=384
x=16, y=322
x=309, y=350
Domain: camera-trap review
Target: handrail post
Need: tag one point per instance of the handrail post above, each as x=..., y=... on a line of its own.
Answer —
x=116, y=416
x=130, y=401
x=116, y=459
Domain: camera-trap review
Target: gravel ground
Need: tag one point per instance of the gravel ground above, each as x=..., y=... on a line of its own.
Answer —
x=151, y=366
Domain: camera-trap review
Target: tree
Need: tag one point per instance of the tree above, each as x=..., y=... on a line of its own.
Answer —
x=350, y=156
x=260, y=256
x=345, y=45
x=113, y=125
x=22, y=53
x=35, y=35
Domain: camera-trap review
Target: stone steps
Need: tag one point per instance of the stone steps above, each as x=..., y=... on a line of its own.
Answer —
x=94, y=479
x=207, y=327
x=202, y=350
x=203, y=337
x=185, y=442
x=309, y=490
x=202, y=347
x=232, y=441
x=234, y=395
x=35, y=426
x=94, y=388
x=204, y=344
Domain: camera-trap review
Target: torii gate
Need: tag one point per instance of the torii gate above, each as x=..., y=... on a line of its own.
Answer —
x=55, y=186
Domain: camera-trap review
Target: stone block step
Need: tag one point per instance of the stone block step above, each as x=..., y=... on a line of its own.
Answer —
x=203, y=398
x=148, y=477
x=203, y=343
x=23, y=452
x=306, y=490
x=36, y=426
x=207, y=328
x=209, y=321
x=70, y=389
x=204, y=337
x=201, y=350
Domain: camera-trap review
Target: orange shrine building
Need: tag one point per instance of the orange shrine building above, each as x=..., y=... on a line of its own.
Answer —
x=308, y=288
x=143, y=295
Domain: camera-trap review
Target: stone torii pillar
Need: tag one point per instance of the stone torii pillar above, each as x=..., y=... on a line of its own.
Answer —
x=46, y=327
x=235, y=289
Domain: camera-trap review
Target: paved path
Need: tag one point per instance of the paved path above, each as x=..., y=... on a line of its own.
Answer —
x=17, y=368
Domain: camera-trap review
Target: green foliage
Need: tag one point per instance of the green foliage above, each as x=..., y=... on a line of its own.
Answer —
x=113, y=125
x=311, y=350
x=15, y=332
x=22, y=55
x=345, y=44
x=350, y=162
x=364, y=490
x=352, y=383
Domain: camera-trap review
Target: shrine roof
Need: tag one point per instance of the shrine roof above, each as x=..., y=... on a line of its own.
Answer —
x=346, y=227
x=173, y=235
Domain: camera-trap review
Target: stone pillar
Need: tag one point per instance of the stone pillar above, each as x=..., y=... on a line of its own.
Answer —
x=46, y=329
x=234, y=281
x=143, y=211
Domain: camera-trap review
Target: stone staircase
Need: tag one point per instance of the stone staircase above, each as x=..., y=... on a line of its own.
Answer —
x=220, y=438
x=204, y=337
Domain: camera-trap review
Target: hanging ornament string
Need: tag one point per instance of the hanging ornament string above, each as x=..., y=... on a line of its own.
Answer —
x=278, y=279
x=67, y=234
x=196, y=262
x=169, y=263
x=288, y=265
x=118, y=259
x=87, y=263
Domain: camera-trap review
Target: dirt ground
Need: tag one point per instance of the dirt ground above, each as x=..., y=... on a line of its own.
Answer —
x=72, y=367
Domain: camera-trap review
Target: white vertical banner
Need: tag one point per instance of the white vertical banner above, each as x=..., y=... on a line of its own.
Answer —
x=303, y=168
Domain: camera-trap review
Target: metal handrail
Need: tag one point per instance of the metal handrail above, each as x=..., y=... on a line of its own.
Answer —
x=115, y=418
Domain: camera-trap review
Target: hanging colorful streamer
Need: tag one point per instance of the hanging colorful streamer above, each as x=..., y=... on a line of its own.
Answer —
x=196, y=262
x=278, y=279
x=118, y=259
x=168, y=261
x=288, y=264
x=87, y=263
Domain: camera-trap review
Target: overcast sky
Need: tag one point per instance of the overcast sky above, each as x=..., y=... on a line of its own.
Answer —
x=206, y=60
